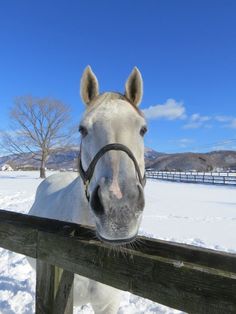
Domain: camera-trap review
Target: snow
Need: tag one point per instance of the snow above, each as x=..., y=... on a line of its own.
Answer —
x=202, y=215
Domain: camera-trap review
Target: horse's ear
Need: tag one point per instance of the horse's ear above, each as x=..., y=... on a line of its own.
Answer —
x=88, y=86
x=134, y=87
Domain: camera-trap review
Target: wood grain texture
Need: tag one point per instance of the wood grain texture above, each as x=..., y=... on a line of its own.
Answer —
x=63, y=292
x=45, y=278
x=184, y=277
x=185, y=286
x=54, y=289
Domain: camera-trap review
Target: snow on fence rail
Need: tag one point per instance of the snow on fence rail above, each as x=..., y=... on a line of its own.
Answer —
x=188, y=278
x=228, y=178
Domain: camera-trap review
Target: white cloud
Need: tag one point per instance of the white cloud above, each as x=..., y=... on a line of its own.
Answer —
x=197, y=121
x=183, y=142
x=230, y=121
x=224, y=145
x=173, y=110
x=170, y=110
x=223, y=118
x=232, y=124
x=198, y=118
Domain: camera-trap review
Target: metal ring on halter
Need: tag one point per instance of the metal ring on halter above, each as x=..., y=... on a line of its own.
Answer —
x=87, y=175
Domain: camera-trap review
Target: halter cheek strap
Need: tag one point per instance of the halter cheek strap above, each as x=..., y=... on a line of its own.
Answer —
x=87, y=175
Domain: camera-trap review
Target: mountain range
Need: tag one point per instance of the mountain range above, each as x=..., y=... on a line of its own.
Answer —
x=212, y=161
x=66, y=159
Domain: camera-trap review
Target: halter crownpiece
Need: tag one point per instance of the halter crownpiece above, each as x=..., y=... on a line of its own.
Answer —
x=87, y=175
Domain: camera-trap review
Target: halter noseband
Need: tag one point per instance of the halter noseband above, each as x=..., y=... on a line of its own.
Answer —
x=87, y=175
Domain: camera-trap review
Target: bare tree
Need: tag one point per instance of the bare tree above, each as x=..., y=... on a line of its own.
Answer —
x=38, y=127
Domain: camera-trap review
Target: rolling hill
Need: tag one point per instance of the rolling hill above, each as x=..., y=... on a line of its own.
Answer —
x=66, y=158
x=216, y=160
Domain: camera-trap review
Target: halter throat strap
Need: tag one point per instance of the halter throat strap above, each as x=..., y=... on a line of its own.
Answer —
x=87, y=175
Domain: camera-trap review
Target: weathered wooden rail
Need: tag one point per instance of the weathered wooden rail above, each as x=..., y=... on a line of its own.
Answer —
x=188, y=278
x=225, y=178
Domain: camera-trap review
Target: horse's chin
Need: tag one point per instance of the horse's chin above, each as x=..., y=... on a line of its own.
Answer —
x=116, y=241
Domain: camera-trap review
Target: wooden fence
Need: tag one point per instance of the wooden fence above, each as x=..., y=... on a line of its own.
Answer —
x=226, y=178
x=188, y=278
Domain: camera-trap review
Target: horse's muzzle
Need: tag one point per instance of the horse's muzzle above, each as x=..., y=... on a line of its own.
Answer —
x=117, y=219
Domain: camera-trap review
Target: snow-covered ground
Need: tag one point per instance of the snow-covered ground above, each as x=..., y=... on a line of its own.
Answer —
x=202, y=215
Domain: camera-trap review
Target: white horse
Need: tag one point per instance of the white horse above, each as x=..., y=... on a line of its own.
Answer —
x=109, y=194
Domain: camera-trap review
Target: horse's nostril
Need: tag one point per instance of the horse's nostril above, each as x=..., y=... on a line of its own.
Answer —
x=96, y=202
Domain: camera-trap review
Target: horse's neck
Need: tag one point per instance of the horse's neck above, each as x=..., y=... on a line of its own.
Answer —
x=84, y=216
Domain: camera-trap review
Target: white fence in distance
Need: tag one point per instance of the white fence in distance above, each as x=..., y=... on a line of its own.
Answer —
x=226, y=177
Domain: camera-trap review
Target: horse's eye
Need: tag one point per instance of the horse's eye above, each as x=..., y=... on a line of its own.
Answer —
x=143, y=130
x=83, y=131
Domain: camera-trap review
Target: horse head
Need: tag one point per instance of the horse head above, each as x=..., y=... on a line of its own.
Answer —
x=112, y=157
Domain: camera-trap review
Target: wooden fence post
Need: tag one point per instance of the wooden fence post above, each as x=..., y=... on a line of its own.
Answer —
x=54, y=289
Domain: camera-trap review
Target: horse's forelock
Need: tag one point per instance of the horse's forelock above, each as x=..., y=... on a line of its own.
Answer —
x=108, y=96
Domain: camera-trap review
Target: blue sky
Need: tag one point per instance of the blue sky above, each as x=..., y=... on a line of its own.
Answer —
x=185, y=50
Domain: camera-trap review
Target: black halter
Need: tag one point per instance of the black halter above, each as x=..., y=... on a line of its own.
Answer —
x=86, y=176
